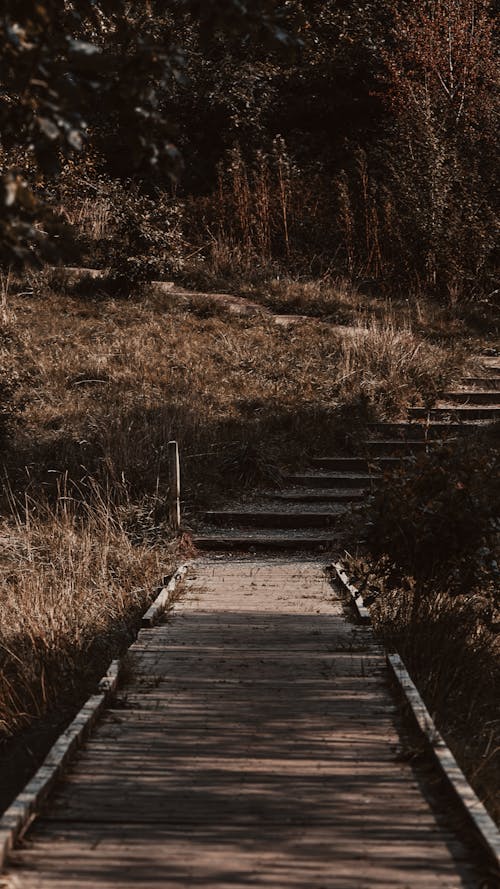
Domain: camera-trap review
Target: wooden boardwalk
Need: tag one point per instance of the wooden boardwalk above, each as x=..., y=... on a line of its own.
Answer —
x=253, y=745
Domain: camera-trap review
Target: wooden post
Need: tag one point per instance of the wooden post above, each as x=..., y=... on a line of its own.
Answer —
x=174, y=477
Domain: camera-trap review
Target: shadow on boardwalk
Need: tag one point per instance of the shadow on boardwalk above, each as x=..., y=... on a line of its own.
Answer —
x=255, y=745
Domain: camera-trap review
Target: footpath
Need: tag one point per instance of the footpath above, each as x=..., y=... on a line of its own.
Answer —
x=255, y=743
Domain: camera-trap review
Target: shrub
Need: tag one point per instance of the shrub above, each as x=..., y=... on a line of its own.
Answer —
x=439, y=520
x=134, y=233
x=14, y=372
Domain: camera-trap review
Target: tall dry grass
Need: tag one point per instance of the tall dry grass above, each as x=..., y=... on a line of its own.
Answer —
x=257, y=201
x=264, y=215
x=94, y=217
x=391, y=221
x=453, y=656
x=72, y=588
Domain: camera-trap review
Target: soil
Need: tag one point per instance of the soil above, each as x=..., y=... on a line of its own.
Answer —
x=22, y=755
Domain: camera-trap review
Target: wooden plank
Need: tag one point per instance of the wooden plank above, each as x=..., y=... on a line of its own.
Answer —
x=163, y=599
x=362, y=611
x=231, y=757
x=218, y=855
x=473, y=807
x=273, y=519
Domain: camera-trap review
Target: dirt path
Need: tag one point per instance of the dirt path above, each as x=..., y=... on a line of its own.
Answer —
x=254, y=744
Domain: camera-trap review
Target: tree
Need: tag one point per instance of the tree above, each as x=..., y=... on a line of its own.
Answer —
x=63, y=59
x=442, y=72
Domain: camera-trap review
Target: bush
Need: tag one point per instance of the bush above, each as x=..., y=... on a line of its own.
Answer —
x=12, y=376
x=134, y=233
x=439, y=521
x=433, y=581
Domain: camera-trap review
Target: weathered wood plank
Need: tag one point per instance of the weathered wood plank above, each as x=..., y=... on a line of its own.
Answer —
x=254, y=743
x=234, y=857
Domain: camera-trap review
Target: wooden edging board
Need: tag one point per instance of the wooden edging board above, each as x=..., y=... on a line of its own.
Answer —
x=470, y=802
x=474, y=809
x=23, y=810
x=357, y=599
x=154, y=613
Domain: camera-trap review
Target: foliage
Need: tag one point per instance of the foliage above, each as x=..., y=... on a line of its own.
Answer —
x=393, y=183
x=68, y=67
x=384, y=115
x=136, y=236
x=441, y=75
x=438, y=520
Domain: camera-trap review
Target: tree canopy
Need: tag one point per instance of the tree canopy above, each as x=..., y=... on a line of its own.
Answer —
x=392, y=106
x=67, y=63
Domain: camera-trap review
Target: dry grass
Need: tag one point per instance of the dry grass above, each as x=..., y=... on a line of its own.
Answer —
x=454, y=657
x=72, y=588
x=93, y=217
x=338, y=300
x=106, y=383
x=390, y=367
x=112, y=381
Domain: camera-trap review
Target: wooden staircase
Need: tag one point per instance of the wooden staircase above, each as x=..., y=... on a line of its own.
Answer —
x=308, y=511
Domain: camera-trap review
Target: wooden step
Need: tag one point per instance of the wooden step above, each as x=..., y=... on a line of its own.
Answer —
x=358, y=464
x=402, y=446
x=434, y=430
x=282, y=520
x=291, y=540
x=490, y=362
x=387, y=463
x=456, y=412
x=341, y=464
x=332, y=480
x=315, y=495
x=472, y=396
x=482, y=383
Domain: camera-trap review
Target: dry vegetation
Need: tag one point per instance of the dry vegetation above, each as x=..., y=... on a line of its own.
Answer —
x=451, y=647
x=454, y=657
x=108, y=382
x=98, y=388
x=432, y=570
x=72, y=588
x=374, y=209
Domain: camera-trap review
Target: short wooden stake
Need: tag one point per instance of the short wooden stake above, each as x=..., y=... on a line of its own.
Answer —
x=174, y=476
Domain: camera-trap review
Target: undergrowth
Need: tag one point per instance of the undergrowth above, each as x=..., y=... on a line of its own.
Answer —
x=73, y=586
x=112, y=382
x=432, y=575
